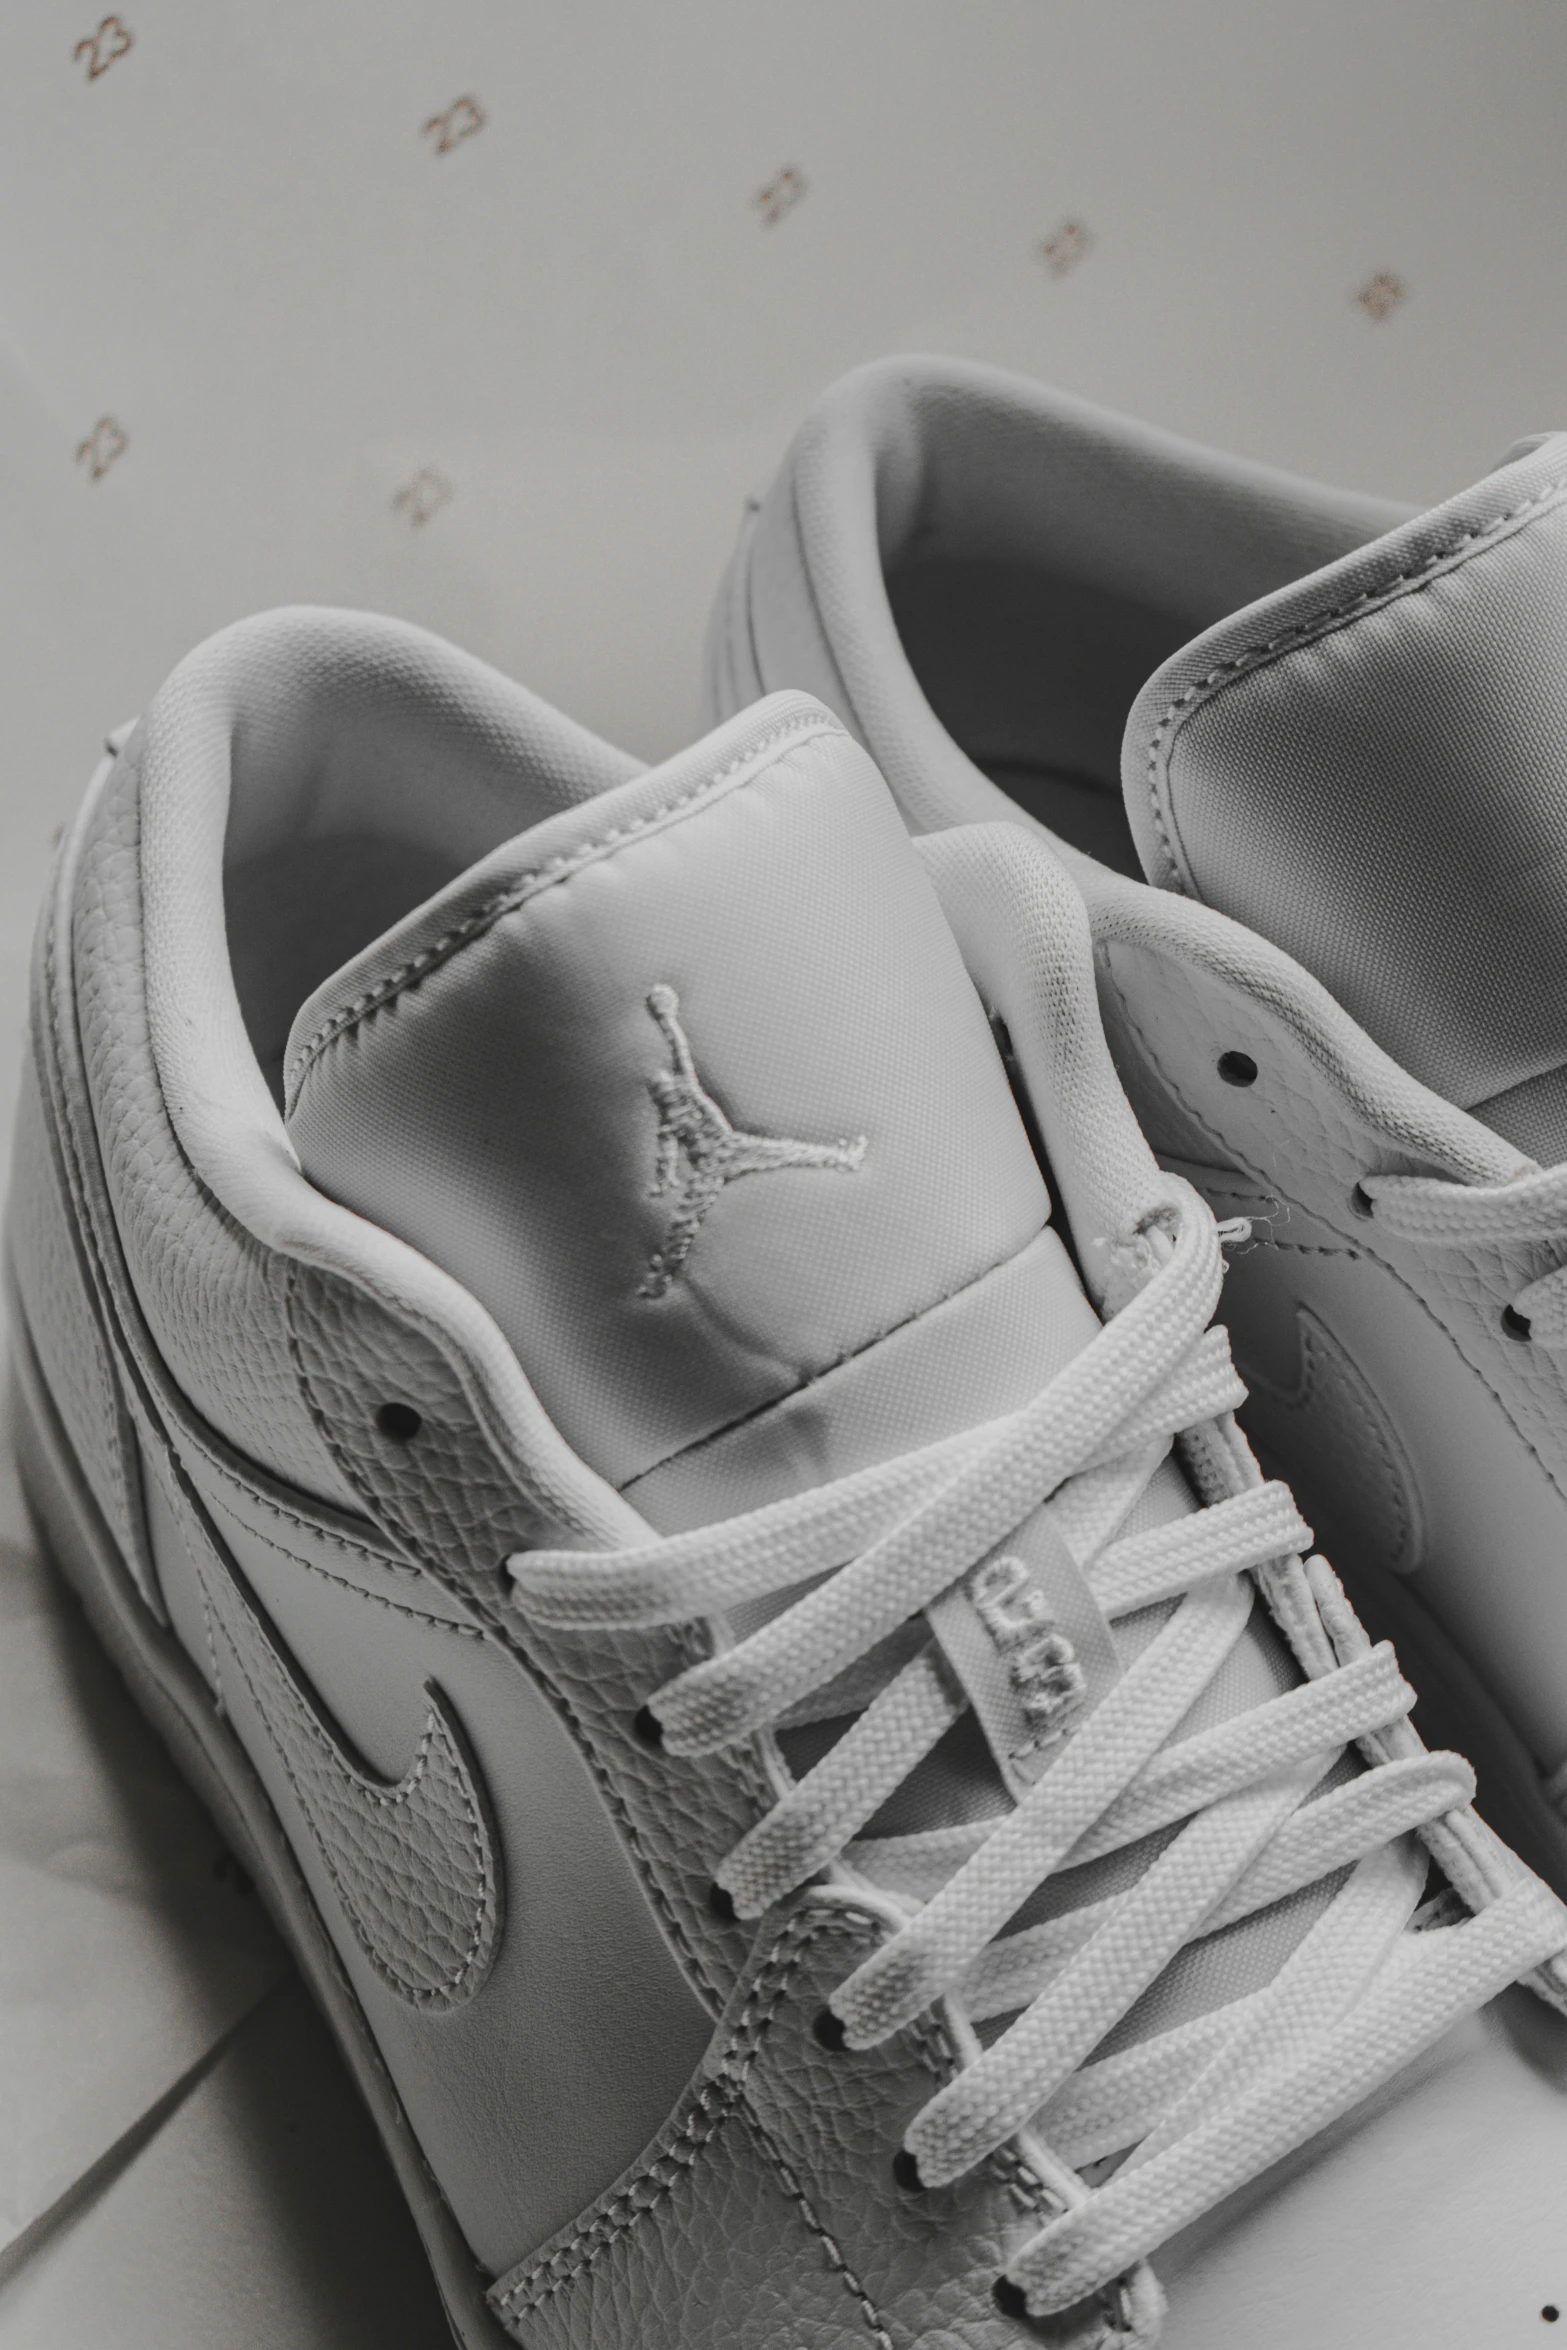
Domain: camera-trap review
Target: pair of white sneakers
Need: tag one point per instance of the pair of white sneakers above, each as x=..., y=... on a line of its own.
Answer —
x=607, y=1352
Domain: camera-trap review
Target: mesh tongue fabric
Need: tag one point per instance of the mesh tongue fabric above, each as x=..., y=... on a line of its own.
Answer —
x=1370, y=768
x=691, y=1087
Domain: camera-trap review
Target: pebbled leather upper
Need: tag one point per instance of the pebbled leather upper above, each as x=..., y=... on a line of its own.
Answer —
x=1463, y=1453
x=766, y=2211
x=756, y=2202
x=1461, y=1458
x=354, y=1631
x=451, y=1507
x=214, y=1298
x=414, y=1862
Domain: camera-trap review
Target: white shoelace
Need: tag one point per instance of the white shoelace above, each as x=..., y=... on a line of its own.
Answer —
x=1209, y=2103
x=1532, y=1211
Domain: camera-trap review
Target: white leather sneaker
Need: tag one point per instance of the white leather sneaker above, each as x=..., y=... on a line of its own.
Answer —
x=1343, y=1012
x=544, y=1345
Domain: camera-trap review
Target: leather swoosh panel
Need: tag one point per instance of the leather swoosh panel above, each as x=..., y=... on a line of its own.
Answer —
x=529, y=2095
x=429, y=1832
x=414, y=1863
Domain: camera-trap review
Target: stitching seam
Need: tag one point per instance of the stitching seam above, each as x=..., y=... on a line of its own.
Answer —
x=76, y=1183
x=189, y=1430
x=388, y=1798
x=812, y=1379
x=789, y=2180
x=1403, y=583
x=1275, y=1191
x=717, y=2103
x=1315, y=1378
x=516, y=893
x=344, y=1583
x=381, y=1506
x=380, y=1562
x=620, y=1811
x=934, y=2044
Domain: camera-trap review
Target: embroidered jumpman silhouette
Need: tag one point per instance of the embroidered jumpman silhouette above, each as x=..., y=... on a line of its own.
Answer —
x=691, y=1125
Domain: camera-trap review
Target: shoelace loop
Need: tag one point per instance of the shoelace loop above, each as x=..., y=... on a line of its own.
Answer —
x=1529, y=1212
x=1203, y=2105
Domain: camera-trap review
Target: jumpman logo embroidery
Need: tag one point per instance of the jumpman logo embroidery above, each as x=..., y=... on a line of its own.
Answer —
x=692, y=1127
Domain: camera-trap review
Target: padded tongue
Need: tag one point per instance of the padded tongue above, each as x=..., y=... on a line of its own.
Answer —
x=690, y=1086
x=1370, y=768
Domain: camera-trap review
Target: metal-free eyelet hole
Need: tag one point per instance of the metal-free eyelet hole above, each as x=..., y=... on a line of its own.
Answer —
x=721, y=1902
x=1516, y=1325
x=906, y=2170
x=1237, y=1069
x=828, y=2031
x=1361, y=1201
x=1009, y=2298
x=647, y=1728
x=399, y=1421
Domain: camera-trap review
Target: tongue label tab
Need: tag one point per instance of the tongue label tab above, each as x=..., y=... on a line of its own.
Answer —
x=1029, y=1643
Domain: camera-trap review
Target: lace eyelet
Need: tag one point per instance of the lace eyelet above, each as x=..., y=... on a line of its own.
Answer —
x=1010, y=2299
x=722, y=1903
x=1517, y=1325
x=829, y=2032
x=906, y=2170
x=399, y=1421
x=1237, y=1069
x=1361, y=1202
x=647, y=1729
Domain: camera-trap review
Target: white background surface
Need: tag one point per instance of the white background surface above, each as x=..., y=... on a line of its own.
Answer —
x=239, y=243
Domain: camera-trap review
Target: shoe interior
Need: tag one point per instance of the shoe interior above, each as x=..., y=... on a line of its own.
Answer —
x=1043, y=557
x=370, y=764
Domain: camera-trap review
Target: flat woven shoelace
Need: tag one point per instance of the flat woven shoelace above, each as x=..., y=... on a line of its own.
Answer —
x=1440, y=1214
x=1209, y=2103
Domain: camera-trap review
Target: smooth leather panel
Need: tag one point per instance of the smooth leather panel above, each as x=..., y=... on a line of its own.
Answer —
x=968, y=1360
x=1366, y=768
x=767, y=2213
x=448, y=1502
x=531, y=2085
x=1364, y=1493
x=1481, y=1420
x=1433, y=2219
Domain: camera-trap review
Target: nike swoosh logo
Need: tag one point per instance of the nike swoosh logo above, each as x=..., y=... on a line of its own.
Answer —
x=415, y=1863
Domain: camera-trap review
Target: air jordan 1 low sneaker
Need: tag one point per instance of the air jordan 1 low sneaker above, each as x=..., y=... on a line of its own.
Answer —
x=1333, y=732
x=605, y=1352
